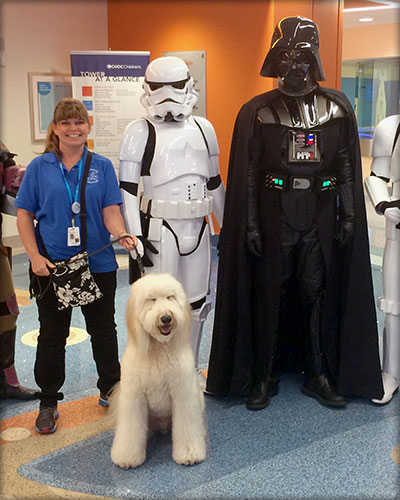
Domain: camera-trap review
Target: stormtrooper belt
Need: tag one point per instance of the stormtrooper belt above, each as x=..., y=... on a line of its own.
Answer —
x=303, y=183
x=162, y=209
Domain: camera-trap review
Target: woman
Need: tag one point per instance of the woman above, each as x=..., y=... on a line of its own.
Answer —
x=49, y=193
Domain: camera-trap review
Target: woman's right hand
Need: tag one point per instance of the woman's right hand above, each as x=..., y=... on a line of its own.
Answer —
x=40, y=265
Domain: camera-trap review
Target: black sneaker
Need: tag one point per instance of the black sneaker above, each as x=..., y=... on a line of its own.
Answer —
x=46, y=420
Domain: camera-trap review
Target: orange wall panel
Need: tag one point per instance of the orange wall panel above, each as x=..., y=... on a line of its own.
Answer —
x=328, y=16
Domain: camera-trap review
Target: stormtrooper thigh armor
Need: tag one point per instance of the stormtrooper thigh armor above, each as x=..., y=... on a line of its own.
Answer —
x=386, y=167
x=185, y=252
x=389, y=303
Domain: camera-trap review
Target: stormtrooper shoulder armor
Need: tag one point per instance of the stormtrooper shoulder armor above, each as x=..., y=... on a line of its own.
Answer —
x=382, y=143
x=209, y=134
x=134, y=141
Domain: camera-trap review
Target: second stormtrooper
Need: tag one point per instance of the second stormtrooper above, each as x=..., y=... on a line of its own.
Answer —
x=170, y=182
x=386, y=200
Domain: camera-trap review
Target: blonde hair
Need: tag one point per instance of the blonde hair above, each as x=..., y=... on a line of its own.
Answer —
x=66, y=109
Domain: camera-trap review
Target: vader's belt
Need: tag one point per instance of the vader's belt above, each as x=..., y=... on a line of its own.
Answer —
x=305, y=183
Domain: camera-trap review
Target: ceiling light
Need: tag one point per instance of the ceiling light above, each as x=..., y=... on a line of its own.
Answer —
x=361, y=9
x=366, y=19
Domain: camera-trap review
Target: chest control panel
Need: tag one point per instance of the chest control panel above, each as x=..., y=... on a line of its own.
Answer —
x=303, y=146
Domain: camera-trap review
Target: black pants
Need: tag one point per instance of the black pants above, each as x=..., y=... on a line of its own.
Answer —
x=302, y=260
x=302, y=257
x=54, y=330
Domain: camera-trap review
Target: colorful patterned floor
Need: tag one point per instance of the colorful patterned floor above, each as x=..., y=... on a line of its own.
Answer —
x=294, y=449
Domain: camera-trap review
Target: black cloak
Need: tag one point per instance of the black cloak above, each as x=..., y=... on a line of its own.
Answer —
x=349, y=334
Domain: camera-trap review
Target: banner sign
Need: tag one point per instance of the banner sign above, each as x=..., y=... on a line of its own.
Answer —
x=196, y=62
x=109, y=84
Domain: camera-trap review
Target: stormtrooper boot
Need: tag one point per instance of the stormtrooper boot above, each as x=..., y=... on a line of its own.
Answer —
x=390, y=386
x=391, y=358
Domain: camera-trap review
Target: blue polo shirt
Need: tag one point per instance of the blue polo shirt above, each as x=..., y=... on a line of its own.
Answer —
x=44, y=193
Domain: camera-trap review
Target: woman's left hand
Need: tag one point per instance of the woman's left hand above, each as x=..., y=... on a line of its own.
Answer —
x=127, y=241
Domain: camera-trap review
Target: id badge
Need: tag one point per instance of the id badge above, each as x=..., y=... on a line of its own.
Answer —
x=74, y=237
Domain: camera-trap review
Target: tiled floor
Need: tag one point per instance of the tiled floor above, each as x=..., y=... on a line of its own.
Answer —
x=295, y=449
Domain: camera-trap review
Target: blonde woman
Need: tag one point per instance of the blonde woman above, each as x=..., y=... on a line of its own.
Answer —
x=50, y=193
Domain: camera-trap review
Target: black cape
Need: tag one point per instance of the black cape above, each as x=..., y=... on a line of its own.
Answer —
x=349, y=329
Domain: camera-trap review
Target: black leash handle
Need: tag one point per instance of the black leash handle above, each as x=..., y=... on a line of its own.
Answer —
x=139, y=261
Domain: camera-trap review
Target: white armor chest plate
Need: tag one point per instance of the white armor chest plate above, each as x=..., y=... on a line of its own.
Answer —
x=180, y=167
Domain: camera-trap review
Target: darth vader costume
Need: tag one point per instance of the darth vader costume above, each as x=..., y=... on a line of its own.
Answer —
x=294, y=288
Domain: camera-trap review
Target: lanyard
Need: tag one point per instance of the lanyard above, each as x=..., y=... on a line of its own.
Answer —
x=75, y=206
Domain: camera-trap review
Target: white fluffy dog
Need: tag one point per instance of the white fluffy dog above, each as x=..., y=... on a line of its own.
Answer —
x=159, y=386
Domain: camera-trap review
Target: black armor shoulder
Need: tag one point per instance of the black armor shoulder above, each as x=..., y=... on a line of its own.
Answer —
x=329, y=109
x=267, y=115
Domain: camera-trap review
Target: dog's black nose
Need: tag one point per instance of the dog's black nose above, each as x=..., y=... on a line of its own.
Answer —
x=166, y=318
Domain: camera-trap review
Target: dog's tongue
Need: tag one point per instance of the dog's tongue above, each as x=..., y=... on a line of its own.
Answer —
x=165, y=329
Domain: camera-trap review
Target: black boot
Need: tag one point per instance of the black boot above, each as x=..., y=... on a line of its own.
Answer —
x=261, y=394
x=9, y=384
x=19, y=392
x=317, y=384
x=319, y=388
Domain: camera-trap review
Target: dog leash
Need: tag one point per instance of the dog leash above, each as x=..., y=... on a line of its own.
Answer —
x=82, y=257
x=138, y=257
x=139, y=262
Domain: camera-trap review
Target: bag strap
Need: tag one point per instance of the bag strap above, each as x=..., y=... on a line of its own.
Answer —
x=83, y=213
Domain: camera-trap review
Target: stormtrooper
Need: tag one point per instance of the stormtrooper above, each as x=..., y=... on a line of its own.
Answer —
x=385, y=168
x=170, y=182
x=289, y=292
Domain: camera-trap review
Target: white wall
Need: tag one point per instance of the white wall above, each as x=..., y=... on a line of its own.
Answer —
x=38, y=36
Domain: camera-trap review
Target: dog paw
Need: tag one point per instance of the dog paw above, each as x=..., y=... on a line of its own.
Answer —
x=126, y=459
x=189, y=455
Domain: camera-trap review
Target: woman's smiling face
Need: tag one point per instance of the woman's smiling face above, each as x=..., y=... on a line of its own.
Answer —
x=72, y=132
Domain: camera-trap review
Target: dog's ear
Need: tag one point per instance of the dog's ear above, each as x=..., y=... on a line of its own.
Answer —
x=136, y=334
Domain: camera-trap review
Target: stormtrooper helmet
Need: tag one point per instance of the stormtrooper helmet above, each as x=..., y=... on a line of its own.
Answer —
x=294, y=56
x=168, y=90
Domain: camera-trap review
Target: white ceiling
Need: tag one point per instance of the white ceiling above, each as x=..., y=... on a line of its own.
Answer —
x=380, y=16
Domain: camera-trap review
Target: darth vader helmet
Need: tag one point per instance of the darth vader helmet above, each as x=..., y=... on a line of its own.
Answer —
x=168, y=90
x=294, y=56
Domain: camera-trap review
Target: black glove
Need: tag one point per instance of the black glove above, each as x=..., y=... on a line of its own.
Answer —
x=254, y=242
x=346, y=229
x=148, y=247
